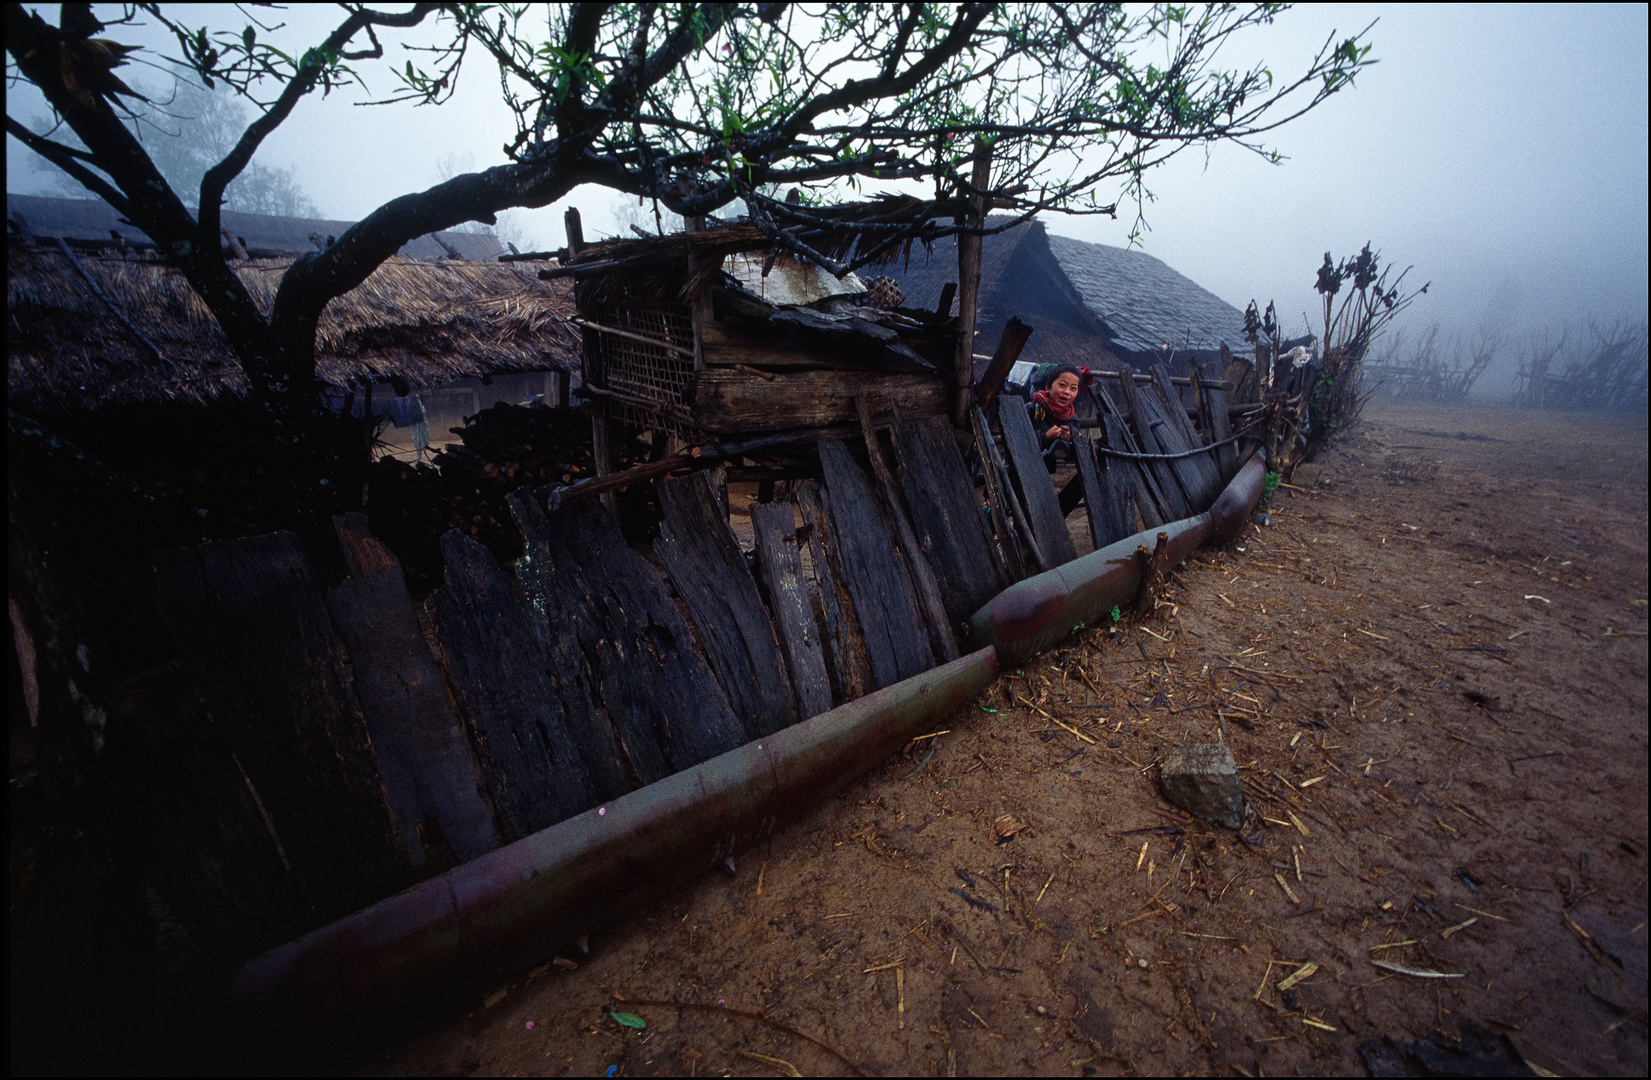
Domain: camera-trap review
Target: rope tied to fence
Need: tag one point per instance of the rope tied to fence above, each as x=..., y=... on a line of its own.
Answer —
x=1127, y=456
x=1109, y=452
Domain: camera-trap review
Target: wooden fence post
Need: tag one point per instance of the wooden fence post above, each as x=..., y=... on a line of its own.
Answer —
x=968, y=276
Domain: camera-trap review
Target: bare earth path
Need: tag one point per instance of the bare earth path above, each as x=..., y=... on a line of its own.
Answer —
x=1436, y=689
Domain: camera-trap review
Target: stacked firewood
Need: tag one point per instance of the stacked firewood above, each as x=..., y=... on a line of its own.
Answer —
x=528, y=443
x=501, y=450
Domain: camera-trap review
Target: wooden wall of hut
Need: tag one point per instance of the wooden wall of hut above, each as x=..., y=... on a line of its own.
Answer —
x=732, y=364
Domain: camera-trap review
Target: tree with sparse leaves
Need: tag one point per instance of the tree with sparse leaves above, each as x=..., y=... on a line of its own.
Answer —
x=690, y=105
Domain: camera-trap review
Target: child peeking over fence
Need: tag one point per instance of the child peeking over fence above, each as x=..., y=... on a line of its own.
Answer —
x=1053, y=408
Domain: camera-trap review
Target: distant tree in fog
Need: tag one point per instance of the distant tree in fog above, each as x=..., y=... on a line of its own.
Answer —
x=188, y=131
x=196, y=130
x=633, y=215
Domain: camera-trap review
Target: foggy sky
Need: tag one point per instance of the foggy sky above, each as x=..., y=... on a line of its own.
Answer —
x=1501, y=150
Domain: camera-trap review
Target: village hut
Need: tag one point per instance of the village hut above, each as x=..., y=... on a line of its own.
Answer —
x=1091, y=304
x=279, y=730
x=719, y=332
x=97, y=322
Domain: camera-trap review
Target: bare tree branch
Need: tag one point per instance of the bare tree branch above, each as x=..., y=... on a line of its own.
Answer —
x=64, y=158
x=219, y=176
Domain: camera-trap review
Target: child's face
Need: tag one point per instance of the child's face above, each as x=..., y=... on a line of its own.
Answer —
x=1064, y=390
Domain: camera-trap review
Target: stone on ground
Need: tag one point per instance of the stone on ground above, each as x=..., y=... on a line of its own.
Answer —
x=1202, y=779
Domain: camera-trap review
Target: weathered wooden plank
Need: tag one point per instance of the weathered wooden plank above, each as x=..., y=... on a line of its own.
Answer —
x=1167, y=490
x=1118, y=483
x=1159, y=436
x=1036, y=560
x=879, y=584
x=1200, y=465
x=969, y=247
x=1108, y=494
x=1199, y=408
x=619, y=756
x=265, y=586
x=188, y=817
x=1009, y=345
x=424, y=756
x=704, y=561
x=946, y=514
x=780, y=568
x=530, y=766
x=1010, y=549
x=1217, y=403
x=1147, y=496
x=653, y=682
x=1094, y=497
x=727, y=348
x=941, y=635
x=601, y=435
x=845, y=644
x=1132, y=473
x=1118, y=489
x=1221, y=428
x=1238, y=371
x=592, y=730
x=1190, y=472
x=1032, y=476
x=727, y=400
x=250, y=623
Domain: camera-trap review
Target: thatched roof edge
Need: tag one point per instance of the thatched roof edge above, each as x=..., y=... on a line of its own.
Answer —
x=425, y=323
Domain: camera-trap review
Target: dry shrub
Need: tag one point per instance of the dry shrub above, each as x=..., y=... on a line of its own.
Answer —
x=1605, y=368
x=1333, y=387
x=1436, y=366
x=1349, y=331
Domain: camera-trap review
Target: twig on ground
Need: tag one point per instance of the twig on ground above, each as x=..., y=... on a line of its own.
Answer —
x=745, y=1013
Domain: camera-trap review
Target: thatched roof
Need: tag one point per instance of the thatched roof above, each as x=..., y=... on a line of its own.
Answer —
x=424, y=323
x=1088, y=304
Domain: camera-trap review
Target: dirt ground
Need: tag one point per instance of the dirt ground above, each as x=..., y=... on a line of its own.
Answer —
x=1431, y=668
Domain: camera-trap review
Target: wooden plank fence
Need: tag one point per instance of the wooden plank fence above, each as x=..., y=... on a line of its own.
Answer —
x=338, y=744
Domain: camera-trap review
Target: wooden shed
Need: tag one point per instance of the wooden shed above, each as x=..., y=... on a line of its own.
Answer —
x=715, y=333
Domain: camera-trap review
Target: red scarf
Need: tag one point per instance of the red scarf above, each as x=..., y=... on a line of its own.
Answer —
x=1042, y=398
